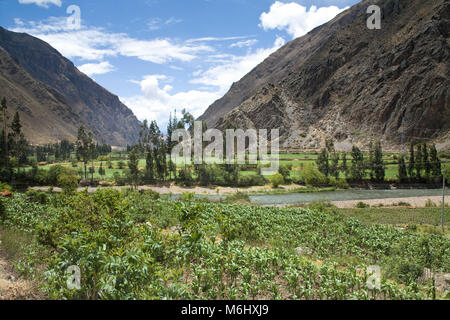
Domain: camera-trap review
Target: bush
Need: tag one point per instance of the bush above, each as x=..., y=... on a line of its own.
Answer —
x=362, y=205
x=253, y=180
x=68, y=182
x=4, y=186
x=119, y=179
x=430, y=204
x=2, y=210
x=285, y=171
x=153, y=195
x=37, y=196
x=408, y=272
x=276, y=180
x=310, y=175
x=338, y=183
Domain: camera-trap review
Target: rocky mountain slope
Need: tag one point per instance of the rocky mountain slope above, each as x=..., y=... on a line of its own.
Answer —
x=54, y=98
x=345, y=81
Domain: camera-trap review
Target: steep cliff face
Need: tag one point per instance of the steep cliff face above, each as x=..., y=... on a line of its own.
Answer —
x=54, y=98
x=345, y=81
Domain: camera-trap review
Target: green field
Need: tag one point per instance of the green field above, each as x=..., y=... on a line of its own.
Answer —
x=134, y=246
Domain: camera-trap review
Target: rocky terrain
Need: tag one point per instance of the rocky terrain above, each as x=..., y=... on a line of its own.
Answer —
x=54, y=98
x=345, y=81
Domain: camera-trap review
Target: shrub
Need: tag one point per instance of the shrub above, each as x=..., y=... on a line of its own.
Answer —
x=37, y=196
x=408, y=272
x=310, y=175
x=2, y=210
x=338, y=183
x=362, y=205
x=430, y=204
x=153, y=195
x=68, y=182
x=119, y=179
x=285, y=171
x=253, y=180
x=4, y=186
x=276, y=180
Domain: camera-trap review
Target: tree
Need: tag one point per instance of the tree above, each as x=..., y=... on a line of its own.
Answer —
x=402, y=172
x=435, y=162
x=4, y=135
x=411, y=165
x=378, y=162
x=276, y=180
x=344, y=165
x=334, y=169
x=419, y=161
x=18, y=143
x=426, y=160
x=101, y=171
x=84, y=147
x=329, y=145
x=133, y=163
x=371, y=161
x=322, y=162
x=357, y=170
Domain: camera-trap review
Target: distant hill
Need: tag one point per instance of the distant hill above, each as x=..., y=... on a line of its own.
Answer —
x=54, y=98
x=345, y=81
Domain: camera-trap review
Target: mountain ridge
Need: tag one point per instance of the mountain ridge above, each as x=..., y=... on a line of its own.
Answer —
x=79, y=99
x=354, y=84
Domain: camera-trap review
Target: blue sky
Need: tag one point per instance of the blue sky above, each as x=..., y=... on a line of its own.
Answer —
x=161, y=55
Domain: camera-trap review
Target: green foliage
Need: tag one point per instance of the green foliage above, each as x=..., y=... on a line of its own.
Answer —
x=430, y=204
x=362, y=205
x=310, y=175
x=4, y=186
x=358, y=168
x=37, y=196
x=285, y=171
x=323, y=163
x=402, y=172
x=276, y=180
x=251, y=180
x=2, y=210
x=130, y=245
x=68, y=182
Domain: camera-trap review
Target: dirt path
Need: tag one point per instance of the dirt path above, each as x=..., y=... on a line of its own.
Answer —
x=12, y=287
x=418, y=202
x=173, y=189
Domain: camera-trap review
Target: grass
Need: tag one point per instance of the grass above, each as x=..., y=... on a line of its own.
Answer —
x=401, y=216
x=12, y=242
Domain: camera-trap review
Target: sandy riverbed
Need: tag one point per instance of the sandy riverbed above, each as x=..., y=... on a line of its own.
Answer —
x=173, y=189
x=418, y=202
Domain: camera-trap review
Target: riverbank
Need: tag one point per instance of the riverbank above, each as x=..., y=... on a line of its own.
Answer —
x=415, y=202
x=225, y=191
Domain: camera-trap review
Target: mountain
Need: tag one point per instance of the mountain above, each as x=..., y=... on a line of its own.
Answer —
x=345, y=81
x=54, y=98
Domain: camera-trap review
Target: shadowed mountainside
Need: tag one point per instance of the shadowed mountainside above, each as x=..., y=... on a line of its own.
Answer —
x=54, y=98
x=345, y=81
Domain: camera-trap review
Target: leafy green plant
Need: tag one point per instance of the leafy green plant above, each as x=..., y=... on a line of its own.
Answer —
x=362, y=205
x=276, y=180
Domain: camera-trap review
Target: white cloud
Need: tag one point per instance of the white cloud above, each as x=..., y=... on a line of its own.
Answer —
x=236, y=67
x=41, y=3
x=156, y=101
x=154, y=24
x=246, y=43
x=208, y=39
x=91, y=69
x=96, y=44
x=295, y=19
x=18, y=22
